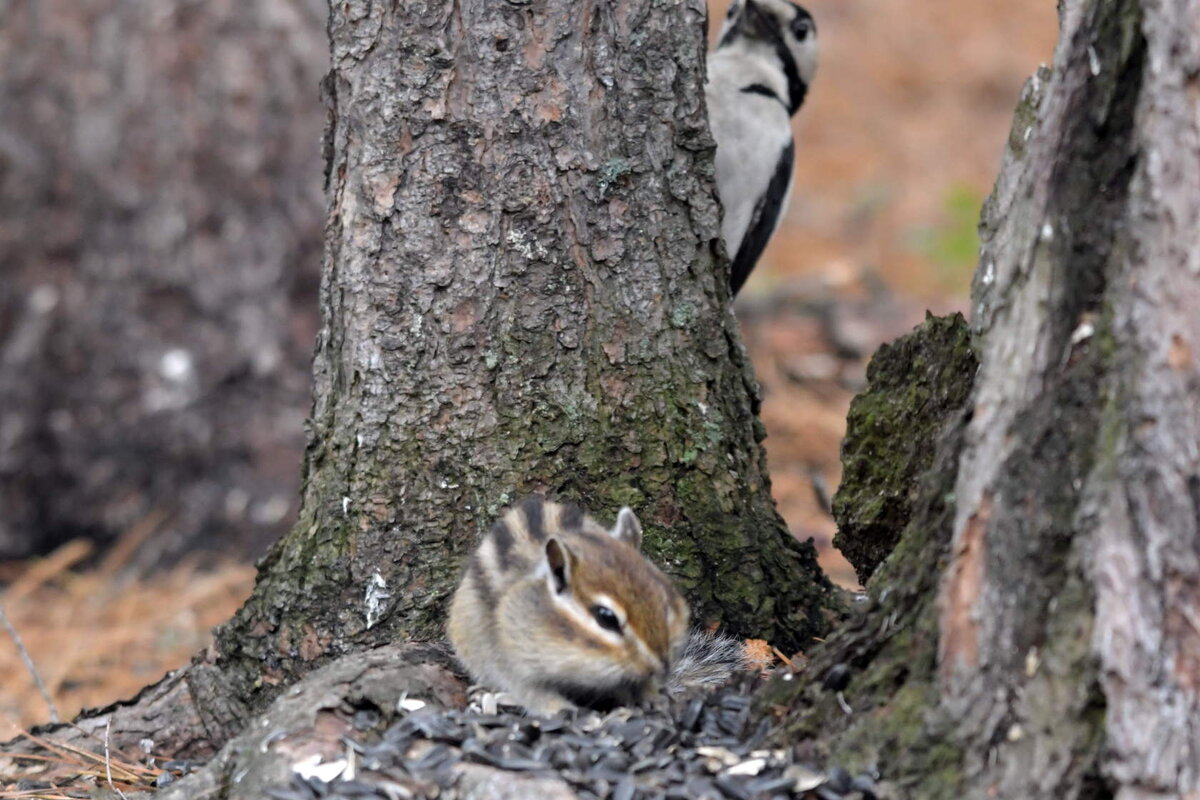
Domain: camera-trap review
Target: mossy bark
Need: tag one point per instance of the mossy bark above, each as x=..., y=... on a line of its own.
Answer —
x=1026, y=637
x=523, y=292
x=913, y=386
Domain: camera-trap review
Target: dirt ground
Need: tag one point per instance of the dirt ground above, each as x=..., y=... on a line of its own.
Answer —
x=897, y=147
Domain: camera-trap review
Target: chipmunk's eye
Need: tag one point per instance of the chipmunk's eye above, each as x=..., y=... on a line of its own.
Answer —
x=606, y=618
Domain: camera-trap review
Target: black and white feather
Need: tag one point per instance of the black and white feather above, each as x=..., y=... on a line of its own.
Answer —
x=758, y=76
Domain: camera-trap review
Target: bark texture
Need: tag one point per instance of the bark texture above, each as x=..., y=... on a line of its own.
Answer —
x=522, y=292
x=914, y=384
x=1059, y=529
x=160, y=219
x=311, y=723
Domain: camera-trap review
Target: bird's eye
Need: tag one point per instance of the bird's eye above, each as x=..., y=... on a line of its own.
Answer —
x=732, y=10
x=801, y=28
x=606, y=618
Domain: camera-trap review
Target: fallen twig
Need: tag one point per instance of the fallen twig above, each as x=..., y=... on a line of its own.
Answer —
x=29, y=665
x=85, y=757
x=108, y=760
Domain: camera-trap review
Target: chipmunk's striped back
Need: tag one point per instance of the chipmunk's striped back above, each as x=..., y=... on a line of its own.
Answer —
x=558, y=611
x=513, y=546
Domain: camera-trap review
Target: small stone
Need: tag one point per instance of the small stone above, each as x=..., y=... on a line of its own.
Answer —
x=752, y=767
x=691, y=718
x=721, y=754
x=837, y=678
x=355, y=788
x=733, y=787
x=365, y=719
x=767, y=786
x=805, y=779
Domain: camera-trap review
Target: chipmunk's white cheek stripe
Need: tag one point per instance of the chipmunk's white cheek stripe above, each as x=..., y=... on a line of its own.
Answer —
x=582, y=616
x=618, y=609
x=627, y=633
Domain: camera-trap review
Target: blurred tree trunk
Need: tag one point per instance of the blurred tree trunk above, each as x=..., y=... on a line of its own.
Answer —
x=1037, y=631
x=160, y=225
x=521, y=293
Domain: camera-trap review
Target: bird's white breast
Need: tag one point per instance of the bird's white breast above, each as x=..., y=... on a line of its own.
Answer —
x=751, y=131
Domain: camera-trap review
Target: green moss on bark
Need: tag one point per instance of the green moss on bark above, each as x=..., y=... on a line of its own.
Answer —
x=913, y=385
x=886, y=657
x=887, y=650
x=1015, y=706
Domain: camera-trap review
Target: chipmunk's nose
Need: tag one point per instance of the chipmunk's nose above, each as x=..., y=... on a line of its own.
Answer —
x=654, y=666
x=649, y=656
x=655, y=694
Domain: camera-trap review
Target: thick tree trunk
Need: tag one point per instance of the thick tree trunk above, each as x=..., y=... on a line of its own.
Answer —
x=522, y=293
x=160, y=222
x=1060, y=658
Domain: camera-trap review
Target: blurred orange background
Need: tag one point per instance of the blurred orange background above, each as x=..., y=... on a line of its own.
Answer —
x=900, y=138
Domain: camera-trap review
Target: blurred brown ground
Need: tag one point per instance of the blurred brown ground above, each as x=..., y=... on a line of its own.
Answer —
x=898, y=145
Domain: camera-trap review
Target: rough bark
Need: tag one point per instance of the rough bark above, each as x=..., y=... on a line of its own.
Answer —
x=522, y=292
x=160, y=220
x=356, y=693
x=1058, y=530
x=355, y=698
x=914, y=384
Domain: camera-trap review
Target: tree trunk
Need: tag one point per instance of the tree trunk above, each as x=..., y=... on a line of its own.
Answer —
x=522, y=293
x=160, y=222
x=1035, y=634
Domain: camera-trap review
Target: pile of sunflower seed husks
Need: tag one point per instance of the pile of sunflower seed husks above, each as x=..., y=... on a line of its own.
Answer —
x=705, y=748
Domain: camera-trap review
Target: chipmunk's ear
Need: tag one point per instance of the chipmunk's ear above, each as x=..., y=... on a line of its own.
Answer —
x=558, y=563
x=628, y=529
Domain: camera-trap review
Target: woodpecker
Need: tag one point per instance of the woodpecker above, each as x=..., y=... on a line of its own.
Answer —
x=758, y=76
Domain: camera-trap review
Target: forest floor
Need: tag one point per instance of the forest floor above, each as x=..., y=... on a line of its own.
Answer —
x=897, y=148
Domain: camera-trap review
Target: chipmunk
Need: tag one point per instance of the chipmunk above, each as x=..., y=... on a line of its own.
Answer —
x=560, y=613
